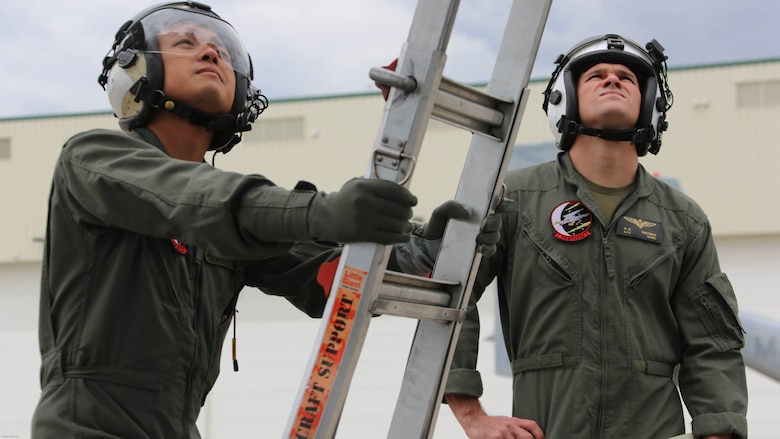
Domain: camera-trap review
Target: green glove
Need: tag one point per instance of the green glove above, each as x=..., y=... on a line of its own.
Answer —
x=449, y=210
x=363, y=210
x=419, y=254
x=489, y=235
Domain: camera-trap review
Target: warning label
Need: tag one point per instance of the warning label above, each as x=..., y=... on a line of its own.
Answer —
x=323, y=375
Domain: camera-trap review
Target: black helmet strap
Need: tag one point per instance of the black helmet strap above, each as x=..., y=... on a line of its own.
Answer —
x=637, y=136
x=157, y=99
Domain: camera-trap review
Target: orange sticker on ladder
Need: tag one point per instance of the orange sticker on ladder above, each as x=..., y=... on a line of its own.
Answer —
x=334, y=343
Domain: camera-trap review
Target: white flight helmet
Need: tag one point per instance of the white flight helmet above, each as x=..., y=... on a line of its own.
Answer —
x=133, y=73
x=648, y=64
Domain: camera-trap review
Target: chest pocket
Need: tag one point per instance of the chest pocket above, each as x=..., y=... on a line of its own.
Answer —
x=544, y=297
x=230, y=264
x=222, y=282
x=641, y=259
x=555, y=260
x=176, y=266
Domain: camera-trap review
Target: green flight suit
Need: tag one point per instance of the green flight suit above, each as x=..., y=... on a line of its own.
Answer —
x=597, y=316
x=144, y=259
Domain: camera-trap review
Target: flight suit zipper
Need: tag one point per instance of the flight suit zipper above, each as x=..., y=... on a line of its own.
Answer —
x=197, y=260
x=606, y=261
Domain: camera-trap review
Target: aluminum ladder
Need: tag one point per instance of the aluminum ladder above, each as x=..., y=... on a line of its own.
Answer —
x=362, y=286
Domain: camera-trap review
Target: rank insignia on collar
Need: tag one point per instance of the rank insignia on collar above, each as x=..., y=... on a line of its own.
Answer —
x=638, y=228
x=571, y=221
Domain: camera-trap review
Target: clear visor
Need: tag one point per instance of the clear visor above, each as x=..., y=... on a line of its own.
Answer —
x=182, y=32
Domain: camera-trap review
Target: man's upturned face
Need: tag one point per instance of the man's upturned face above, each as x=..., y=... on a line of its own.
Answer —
x=197, y=68
x=609, y=97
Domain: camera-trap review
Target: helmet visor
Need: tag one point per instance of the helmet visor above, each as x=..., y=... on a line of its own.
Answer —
x=185, y=32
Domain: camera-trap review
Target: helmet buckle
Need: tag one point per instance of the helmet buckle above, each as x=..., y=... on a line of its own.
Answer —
x=615, y=42
x=569, y=126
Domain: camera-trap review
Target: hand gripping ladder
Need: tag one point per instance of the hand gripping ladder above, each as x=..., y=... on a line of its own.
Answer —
x=362, y=287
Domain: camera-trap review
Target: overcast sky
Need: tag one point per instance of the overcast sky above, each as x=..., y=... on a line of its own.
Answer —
x=52, y=50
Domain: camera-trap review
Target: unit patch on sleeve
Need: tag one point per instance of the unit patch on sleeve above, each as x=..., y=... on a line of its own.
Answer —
x=571, y=221
x=640, y=229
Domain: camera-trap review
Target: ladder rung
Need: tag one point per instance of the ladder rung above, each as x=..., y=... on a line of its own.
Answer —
x=465, y=106
x=455, y=103
x=417, y=310
x=415, y=296
x=409, y=280
x=416, y=289
x=422, y=296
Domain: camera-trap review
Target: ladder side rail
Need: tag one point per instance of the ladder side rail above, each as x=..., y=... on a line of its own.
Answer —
x=465, y=293
x=431, y=352
x=434, y=342
x=322, y=393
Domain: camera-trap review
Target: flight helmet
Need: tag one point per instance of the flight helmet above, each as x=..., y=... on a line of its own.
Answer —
x=648, y=64
x=133, y=73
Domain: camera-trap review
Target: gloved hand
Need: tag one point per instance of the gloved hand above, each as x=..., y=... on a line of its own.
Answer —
x=489, y=235
x=418, y=255
x=434, y=229
x=363, y=210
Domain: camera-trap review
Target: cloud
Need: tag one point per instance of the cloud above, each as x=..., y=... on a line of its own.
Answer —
x=313, y=48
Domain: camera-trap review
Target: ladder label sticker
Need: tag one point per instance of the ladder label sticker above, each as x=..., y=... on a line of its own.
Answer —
x=323, y=375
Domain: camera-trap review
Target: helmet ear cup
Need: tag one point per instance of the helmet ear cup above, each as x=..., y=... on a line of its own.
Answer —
x=567, y=133
x=120, y=80
x=562, y=108
x=648, y=112
x=147, y=67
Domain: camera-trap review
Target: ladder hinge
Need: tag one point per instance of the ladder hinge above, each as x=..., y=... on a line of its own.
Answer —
x=390, y=154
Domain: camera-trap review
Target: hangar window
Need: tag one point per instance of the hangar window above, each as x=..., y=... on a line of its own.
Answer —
x=5, y=148
x=754, y=94
x=274, y=130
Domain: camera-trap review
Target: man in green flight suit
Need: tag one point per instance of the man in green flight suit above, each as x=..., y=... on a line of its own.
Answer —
x=608, y=279
x=147, y=246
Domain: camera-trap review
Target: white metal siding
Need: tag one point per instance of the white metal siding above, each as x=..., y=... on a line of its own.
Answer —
x=25, y=179
x=724, y=156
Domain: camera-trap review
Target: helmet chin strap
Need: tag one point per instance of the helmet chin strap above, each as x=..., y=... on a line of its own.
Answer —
x=157, y=99
x=635, y=135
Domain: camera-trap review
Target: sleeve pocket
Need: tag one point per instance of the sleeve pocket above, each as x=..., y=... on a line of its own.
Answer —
x=716, y=306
